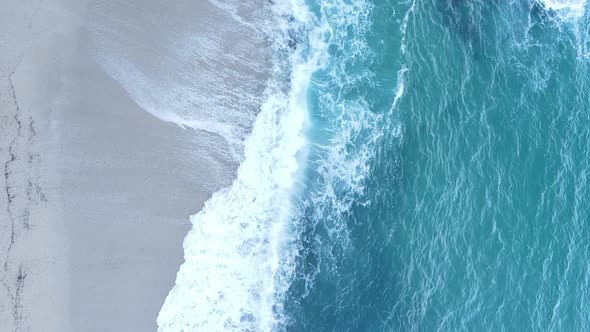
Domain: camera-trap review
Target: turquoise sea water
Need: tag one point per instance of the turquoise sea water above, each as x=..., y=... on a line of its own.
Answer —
x=418, y=165
x=446, y=182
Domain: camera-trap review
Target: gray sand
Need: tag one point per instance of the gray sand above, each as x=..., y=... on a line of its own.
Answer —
x=96, y=189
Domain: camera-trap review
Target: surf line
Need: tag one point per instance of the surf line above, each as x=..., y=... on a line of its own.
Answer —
x=239, y=255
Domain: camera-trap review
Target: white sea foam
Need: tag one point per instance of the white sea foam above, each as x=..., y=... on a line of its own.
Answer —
x=238, y=256
x=566, y=8
x=355, y=128
x=400, y=85
x=573, y=13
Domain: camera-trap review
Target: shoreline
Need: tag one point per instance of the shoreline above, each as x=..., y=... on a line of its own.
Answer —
x=110, y=186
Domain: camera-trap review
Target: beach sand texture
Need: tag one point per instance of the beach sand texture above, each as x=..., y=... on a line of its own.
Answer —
x=99, y=177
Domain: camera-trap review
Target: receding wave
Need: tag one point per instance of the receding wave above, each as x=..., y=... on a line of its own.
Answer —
x=188, y=77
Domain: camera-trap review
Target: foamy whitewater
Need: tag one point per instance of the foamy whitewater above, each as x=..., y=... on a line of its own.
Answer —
x=415, y=166
x=239, y=255
x=570, y=6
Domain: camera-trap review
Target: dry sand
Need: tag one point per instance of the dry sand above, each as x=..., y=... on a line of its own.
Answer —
x=96, y=188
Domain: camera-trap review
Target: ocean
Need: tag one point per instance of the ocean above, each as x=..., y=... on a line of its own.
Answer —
x=416, y=165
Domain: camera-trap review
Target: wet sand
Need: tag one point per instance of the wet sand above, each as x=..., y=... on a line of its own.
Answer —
x=97, y=187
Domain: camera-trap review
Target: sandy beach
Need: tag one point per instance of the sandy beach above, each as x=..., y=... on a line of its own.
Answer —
x=117, y=122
